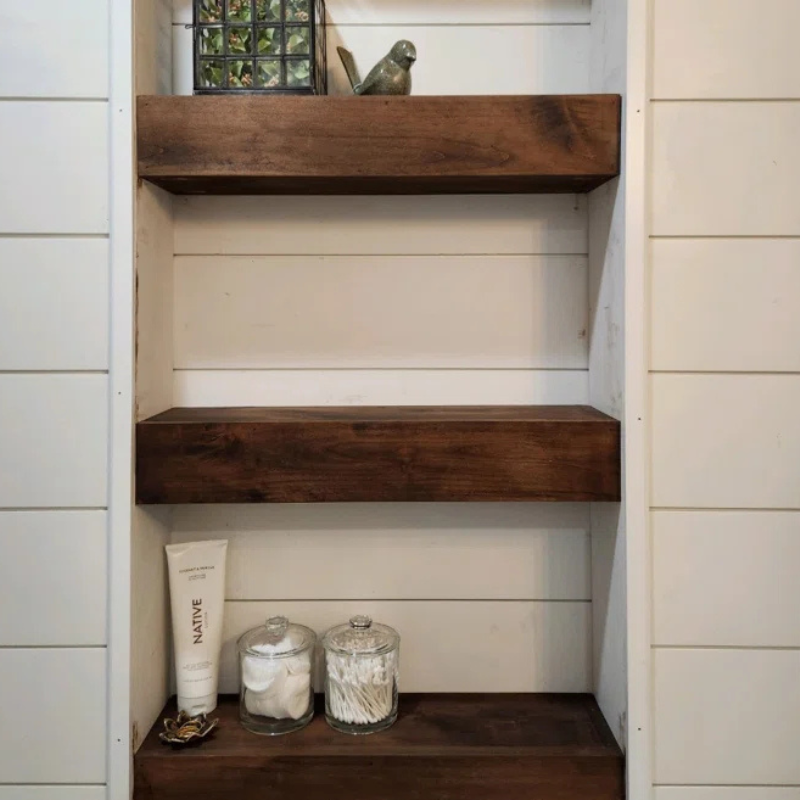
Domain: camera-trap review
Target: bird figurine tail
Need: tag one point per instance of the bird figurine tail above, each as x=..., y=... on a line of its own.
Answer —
x=350, y=67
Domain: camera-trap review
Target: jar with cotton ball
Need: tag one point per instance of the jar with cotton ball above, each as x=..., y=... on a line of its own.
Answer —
x=362, y=661
x=275, y=663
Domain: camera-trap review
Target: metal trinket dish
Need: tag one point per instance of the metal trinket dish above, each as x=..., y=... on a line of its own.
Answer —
x=186, y=730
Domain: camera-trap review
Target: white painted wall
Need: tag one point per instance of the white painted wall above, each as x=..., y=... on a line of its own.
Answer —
x=724, y=303
x=54, y=397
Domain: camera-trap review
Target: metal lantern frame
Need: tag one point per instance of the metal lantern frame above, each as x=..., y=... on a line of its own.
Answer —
x=277, y=66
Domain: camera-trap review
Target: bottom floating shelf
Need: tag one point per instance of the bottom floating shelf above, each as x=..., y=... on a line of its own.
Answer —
x=443, y=747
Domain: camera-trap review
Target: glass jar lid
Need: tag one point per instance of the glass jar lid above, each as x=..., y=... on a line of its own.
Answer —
x=277, y=638
x=361, y=636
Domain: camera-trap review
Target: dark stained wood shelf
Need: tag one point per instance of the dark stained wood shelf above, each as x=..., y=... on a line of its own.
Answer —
x=358, y=454
x=378, y=145
x=447, y=747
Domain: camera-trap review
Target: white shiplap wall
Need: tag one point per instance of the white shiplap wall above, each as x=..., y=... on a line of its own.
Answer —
x=403, y=300
x=725, y=353
x=54, y=307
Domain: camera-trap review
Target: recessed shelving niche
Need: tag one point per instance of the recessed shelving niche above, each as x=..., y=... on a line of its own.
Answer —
x=514, y=747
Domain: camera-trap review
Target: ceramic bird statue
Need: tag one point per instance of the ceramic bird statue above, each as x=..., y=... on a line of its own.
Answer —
x=391, y=75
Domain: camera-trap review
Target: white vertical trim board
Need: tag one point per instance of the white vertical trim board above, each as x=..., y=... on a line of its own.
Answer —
x=57, y=179
x=55, y=49
x=491, y=646
x=726, y=578
x=518, y=551
x=53, y=578
x=726, y=441
x=726, y=169
x=54, y=304
x=726, y=304
x=716, y=49
x=54, y=441
x=120, y=407
x=637, y=456
x=66, y=688
x=727, y=717
x=435, y=225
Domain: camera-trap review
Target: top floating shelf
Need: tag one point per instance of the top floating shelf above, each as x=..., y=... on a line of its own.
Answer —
x=378, y=145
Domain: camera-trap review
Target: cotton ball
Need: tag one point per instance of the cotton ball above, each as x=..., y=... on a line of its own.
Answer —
x=260, y=674
x=298, y=665
x=296, y=693
x=263, y=704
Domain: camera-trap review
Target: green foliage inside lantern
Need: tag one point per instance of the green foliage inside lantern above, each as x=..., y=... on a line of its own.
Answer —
x=260, y=45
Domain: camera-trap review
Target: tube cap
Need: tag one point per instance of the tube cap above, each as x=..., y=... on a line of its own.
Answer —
x=197, y=705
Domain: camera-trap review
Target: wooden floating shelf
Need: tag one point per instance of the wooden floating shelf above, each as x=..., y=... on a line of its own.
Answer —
x=378, y=145
x=358, y=454
x=448, y=747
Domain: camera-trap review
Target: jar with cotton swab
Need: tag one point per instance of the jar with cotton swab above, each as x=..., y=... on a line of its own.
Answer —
x=362, y=661
x=275, y=662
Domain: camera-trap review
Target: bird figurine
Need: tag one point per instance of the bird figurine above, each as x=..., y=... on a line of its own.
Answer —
x=391, y=75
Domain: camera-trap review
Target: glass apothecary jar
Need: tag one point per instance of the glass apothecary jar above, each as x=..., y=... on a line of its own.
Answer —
x=362, y=662
x=275, y=663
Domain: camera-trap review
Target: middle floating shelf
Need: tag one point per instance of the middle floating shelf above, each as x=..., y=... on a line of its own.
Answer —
x=378, y=454
x=379, y=145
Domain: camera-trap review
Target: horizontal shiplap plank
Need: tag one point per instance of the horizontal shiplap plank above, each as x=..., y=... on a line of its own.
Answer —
x=54, y=705
x=53, y=440
x=445, y=12
x=53, y=304
x=710, y=160
x=450, y=646
x=53, y=574
x=453, y=60
x=57, y=180
x=536, y=224
x=55, y=49
x=391, y=312
x=385, y=387
x=726, y=304
x=440, y=12
x=726, y=441
x=727, y=717
x=388, y=551
x=52, y=792
x=484, y=59
x=716, y=49
x=727, y=793
x=726, y=578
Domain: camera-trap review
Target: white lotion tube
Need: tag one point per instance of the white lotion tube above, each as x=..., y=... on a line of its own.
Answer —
x=197, y=592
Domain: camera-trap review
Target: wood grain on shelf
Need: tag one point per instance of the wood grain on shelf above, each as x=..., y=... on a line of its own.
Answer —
x=450, y=746
x=358, y=454
x=356, y=145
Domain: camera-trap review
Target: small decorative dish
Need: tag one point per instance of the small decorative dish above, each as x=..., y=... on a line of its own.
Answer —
x=185, y=730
